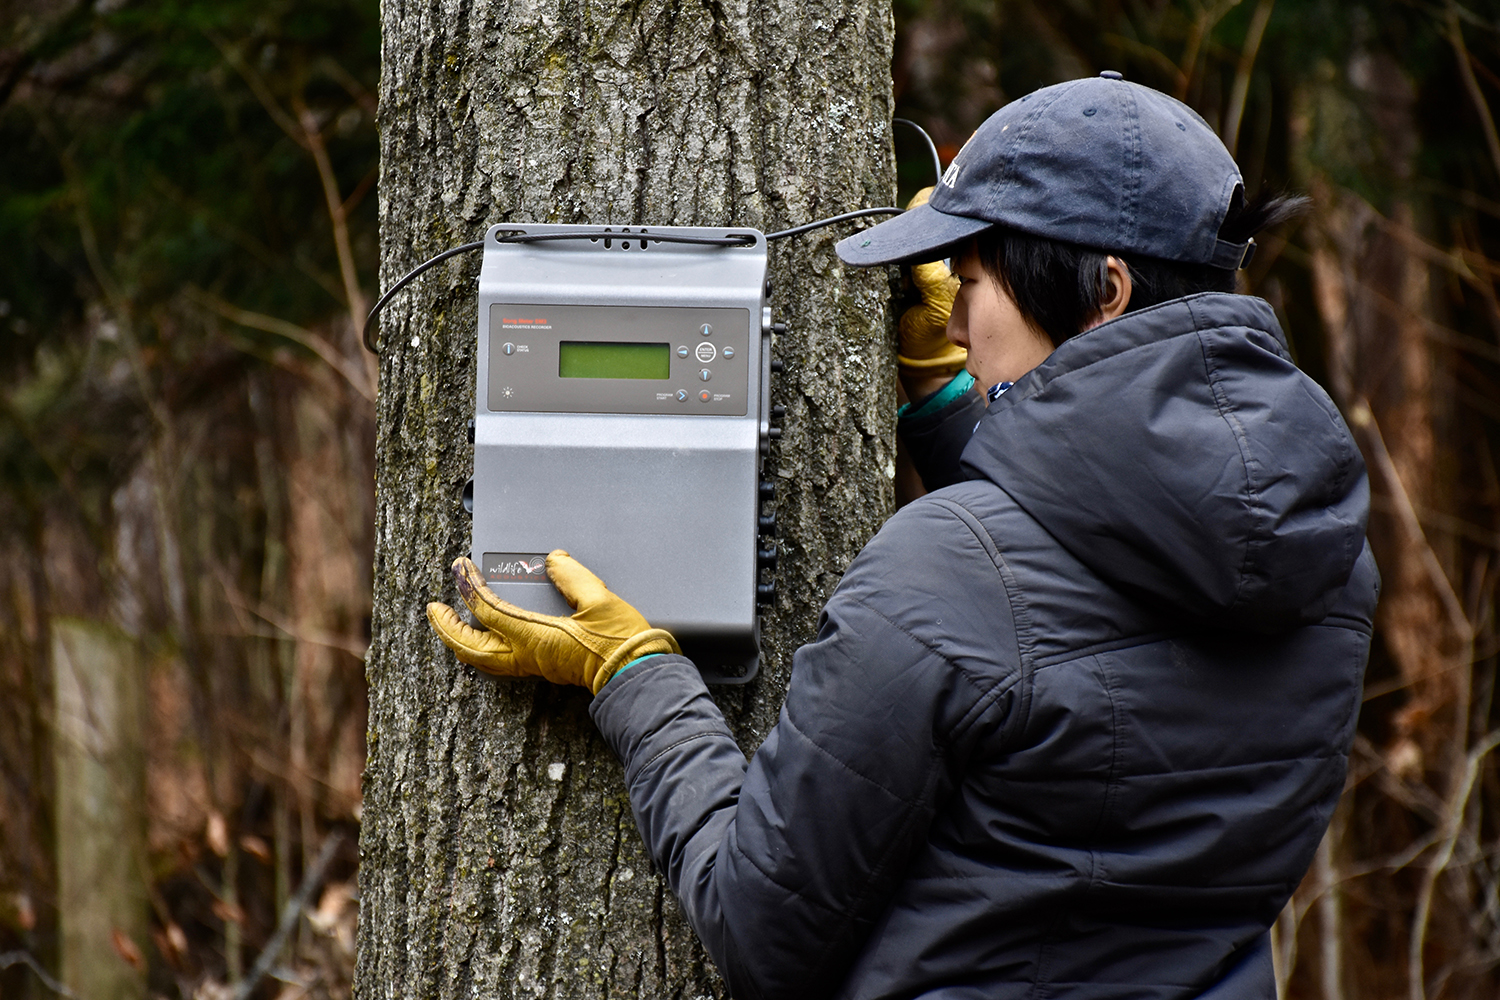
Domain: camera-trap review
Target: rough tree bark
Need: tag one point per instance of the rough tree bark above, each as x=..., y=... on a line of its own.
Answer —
x=499, y=856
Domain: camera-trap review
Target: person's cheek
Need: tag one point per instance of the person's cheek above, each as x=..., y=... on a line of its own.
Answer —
x=958, y=319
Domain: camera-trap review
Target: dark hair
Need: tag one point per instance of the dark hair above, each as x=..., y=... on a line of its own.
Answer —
x=1059, y=286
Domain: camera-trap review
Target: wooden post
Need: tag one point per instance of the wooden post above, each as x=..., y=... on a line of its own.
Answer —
x=98, y=750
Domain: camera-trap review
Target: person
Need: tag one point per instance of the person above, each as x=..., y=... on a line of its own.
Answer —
x=1074, y=722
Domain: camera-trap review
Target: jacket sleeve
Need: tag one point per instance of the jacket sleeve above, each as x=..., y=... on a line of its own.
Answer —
x=935, y=436
x=784, y=865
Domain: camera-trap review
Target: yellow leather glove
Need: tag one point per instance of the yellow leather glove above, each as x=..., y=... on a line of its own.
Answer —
x=587, y=649
x=924, y=347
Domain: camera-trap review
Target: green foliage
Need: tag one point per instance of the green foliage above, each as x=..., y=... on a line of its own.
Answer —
x=137, y=123
x=149, y=150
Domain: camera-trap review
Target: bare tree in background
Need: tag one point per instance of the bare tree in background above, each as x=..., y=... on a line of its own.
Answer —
x=186, y=448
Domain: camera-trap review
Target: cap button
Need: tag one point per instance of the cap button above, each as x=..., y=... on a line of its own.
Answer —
x=1112, y=74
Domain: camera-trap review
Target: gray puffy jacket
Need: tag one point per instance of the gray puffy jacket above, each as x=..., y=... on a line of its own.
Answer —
x=1071, y=727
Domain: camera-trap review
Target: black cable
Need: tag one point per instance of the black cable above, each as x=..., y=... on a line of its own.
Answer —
x=517, y=236
x=799, y=230
x=937, y=164
x=370, y=320
x=729, y=240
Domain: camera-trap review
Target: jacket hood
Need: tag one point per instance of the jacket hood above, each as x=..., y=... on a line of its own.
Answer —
x=1178, y=453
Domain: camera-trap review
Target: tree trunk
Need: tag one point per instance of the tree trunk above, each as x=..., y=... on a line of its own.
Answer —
x=499, y=855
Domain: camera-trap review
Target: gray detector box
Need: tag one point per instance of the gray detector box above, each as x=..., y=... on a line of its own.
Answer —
x=621, y=413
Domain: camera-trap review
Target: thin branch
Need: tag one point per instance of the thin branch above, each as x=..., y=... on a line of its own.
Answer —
x=291, y=331
x=1240, y=92
x=1464, y=197
x=1452, y=825
x=1479, y=655
x=313, y=136
x=1203, y=25
x=1468, y=16
x=1467, y=247
x=1417, y=798
x=1450, y=260
x=114, y=294
x=1330, y=915
x=1362, y=417
x=328, y=640
x=1481, y=400
x=305, y=131
x=1395, y=862
x=1486, y=120
x=290, y=914
x=268, y=257
x=1473, y=268
x=257, y=87
x=1435, y=331
x=295, y=777
x=9, y=958
x=365, y=186
x=355, y=89
x=1472, y=258
x=1150, y=53
x=1284, y=944
x=287, y=629
x=1447, y=523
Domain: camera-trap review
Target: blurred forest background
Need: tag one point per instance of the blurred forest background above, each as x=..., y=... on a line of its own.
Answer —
x=187, y=250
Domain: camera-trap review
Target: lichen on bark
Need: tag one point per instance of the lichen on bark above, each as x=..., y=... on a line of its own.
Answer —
x=499, y=855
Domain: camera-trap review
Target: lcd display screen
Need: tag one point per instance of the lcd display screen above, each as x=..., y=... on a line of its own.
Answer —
x=600, y=359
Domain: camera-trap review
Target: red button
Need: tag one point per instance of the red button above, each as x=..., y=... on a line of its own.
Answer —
x=705, y=396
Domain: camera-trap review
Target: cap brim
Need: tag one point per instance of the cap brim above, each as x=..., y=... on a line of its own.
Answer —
x=917, y=235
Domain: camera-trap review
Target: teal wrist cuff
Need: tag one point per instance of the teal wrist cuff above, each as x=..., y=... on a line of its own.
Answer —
x=633, y=662
x=961, y=384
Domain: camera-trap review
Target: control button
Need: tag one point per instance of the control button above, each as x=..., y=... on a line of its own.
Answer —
x=705, y=396
x=706, y=352
x=706, y=330
x=509, y=348
x=682, y=351
x=728, y=353
x=705, y=374
x=681, y=395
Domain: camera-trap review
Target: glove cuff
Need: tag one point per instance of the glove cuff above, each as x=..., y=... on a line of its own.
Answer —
x=950, y=361
x=653, y=640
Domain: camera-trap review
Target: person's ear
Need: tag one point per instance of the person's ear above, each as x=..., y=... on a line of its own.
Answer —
x=1117, y=283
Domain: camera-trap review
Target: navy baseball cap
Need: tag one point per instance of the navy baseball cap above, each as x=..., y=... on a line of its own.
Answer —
x=1100, y=162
